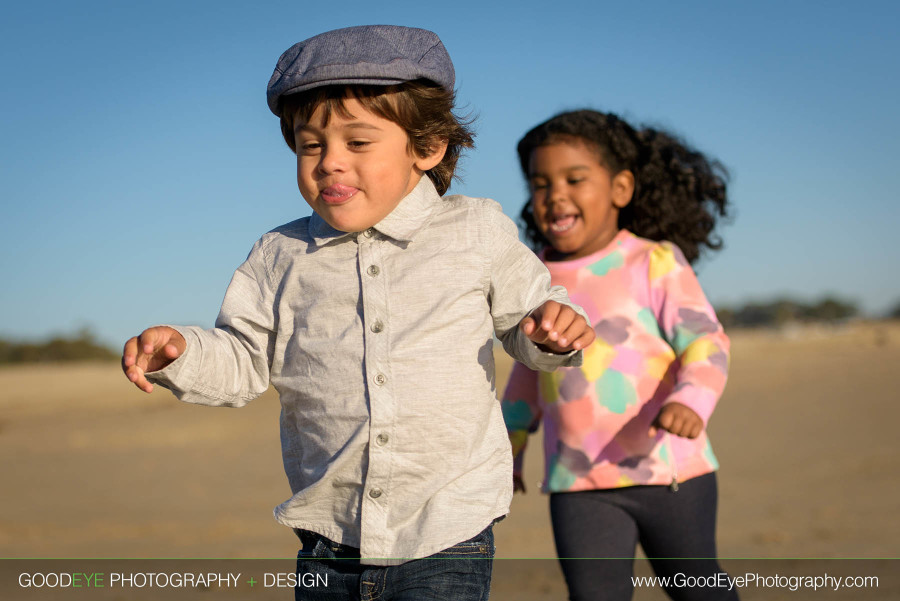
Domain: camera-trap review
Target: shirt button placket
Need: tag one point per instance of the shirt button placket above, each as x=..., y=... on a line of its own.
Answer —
x=381, y=401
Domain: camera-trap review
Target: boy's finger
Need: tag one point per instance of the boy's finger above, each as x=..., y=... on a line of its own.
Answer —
x=585, y=340
x=539, y=336
x=133, y=373
x=144, y=385
x=564, y=323
x=573, y=331
x=149, y=338
x=136, y=375
x=527, y=325
x=129, y=353
x=588, y=337
x=549, y=313
x=171, y=351
x=534, y=333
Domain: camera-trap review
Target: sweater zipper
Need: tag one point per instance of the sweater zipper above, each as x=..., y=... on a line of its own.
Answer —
x=673, y=486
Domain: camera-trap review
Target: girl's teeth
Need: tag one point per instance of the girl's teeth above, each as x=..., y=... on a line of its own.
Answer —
x=562, y=224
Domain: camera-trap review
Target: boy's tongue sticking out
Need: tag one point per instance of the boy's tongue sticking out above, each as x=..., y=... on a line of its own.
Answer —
x=338, y=193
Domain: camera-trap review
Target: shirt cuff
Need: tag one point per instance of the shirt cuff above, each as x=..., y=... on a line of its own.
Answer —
x=535, y=358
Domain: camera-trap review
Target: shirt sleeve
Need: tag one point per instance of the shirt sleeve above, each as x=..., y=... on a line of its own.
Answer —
x=691, y=328
x=521, y=410
x=519, y=284
x=229, y=364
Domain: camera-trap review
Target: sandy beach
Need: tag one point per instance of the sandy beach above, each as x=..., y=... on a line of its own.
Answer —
x=805, y=434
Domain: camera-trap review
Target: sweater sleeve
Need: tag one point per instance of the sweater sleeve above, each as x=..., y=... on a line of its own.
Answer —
x=690, y=326
x=228, y=364
x=521, y=410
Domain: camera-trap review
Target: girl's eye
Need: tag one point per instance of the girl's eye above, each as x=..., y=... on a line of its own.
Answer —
x=538, y=185
x=574, y=181
x=358, y=143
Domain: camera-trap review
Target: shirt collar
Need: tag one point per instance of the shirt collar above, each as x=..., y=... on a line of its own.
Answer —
x=402, y=224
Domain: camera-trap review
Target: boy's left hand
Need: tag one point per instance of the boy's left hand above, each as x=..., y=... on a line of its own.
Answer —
x=678, y=419
x=558, y=328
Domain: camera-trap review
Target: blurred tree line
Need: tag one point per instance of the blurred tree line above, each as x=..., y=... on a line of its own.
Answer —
x=785, y=311
x=83, y=346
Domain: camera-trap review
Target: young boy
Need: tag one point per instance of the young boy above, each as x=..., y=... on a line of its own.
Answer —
x=374, y=320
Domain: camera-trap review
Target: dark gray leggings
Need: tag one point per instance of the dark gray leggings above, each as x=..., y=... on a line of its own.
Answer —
x=677, y=530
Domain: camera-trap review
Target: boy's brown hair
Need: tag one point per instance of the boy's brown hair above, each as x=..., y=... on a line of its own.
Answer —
x=423, y=109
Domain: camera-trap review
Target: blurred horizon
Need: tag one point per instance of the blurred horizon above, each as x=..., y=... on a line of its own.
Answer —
x=782, y=316
x=139, y=160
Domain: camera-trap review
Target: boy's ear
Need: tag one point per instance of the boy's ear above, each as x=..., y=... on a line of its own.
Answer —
x=438, y=150
x=622, y=188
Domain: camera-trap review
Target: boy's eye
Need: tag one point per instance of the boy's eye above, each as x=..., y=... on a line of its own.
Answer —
x=572, y=181
x=358, y=143
x=310, y=147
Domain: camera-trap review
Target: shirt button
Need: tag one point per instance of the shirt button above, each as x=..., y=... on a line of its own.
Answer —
x=380, y=379
x=373, y=270
x=382, y=439
x=369, y=232
x=375, y=493
x=377, y=327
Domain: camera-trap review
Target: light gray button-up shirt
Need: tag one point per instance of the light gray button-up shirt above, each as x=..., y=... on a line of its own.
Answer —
x=380, y=346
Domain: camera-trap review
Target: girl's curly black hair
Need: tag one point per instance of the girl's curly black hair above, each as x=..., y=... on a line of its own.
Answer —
x=679, y=193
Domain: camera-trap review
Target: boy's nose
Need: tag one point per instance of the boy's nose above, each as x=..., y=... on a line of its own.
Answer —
x=332, y=160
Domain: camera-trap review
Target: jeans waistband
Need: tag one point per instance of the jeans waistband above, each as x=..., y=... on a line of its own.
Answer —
x=310, y=539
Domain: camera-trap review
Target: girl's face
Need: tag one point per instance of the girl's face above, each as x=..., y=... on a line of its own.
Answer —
x=575, y=200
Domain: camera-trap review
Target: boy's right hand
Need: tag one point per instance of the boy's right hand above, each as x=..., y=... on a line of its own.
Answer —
x=152, y=349
x=557, y=328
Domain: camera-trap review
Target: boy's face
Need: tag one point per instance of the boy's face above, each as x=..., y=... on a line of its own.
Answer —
x=355, y=170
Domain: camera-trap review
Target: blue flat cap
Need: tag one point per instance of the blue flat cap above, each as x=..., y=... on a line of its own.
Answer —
x=370, y=54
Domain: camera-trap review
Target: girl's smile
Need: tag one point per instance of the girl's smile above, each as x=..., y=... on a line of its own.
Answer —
x=561, y=224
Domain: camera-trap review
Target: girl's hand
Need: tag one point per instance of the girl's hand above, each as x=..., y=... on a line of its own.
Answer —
x=153, y=349
x=678, y=419
x=518, y=483
x=558, y=328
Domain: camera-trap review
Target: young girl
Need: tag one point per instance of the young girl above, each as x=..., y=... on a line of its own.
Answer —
x=618, y=215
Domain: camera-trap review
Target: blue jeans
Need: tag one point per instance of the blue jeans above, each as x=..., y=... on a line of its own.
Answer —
x=327, y=571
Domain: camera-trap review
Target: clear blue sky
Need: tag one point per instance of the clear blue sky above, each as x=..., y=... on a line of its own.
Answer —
x=139, y=161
